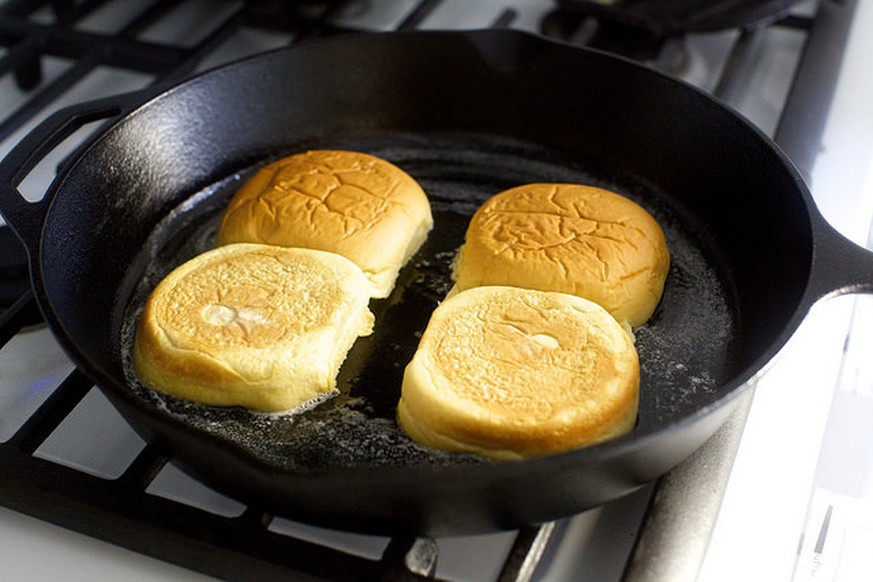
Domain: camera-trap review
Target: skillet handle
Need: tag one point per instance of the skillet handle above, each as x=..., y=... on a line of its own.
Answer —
x=840, y=266
x=25, y=216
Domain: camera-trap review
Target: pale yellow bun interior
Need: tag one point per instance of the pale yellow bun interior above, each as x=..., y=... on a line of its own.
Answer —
x=570, y=238
x=508, y=373
x=262, y=327
x=350, y=203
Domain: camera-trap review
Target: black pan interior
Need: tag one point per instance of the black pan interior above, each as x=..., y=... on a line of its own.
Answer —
x=467, y=114
x=685, y=349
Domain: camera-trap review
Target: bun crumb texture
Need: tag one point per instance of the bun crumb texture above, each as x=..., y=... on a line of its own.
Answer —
x=351, y=203
x=252, y=325
x=509, y=373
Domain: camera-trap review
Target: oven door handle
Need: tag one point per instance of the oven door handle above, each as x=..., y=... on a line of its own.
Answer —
x=26, y=216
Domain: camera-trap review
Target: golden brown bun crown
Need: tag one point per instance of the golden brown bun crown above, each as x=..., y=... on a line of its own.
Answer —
x=507, y=373
x=570, y=238
x=252, y=325
x=350, y=203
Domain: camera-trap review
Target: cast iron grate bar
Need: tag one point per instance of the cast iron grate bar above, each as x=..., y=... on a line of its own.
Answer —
x=418, y=15
x=17, y=316
x=23, y=60
x=803, y=117
x=738, y=66
x=243, y=547
x=741, y=61
x=188, y=62
x=51, y=413
x=30, y=42
x=526, y=553
x=144, y=467
x=48, y=94
x=505, y=19
x=112, y=510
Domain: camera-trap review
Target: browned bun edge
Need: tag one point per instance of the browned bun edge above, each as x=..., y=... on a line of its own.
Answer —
x=569, y=238
x=252, y=325
x=509, y=373
x=350, y=203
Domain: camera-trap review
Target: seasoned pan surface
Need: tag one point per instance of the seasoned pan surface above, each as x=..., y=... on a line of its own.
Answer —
x=685, y=349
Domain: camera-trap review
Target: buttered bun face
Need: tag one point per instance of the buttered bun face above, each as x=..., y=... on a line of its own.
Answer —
x=354, y=204
x=251, y=325
x=509, y=373
x=570, y=238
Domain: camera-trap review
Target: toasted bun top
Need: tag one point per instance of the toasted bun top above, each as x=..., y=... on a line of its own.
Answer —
x=251, y=324
x=570, y=238
x=510, y=372
x=252, y=295
x=351, y=203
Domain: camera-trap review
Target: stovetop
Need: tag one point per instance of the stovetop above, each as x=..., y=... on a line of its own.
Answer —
x=68, y=458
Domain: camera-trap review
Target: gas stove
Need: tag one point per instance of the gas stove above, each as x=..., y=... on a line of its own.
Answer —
x=775, y=485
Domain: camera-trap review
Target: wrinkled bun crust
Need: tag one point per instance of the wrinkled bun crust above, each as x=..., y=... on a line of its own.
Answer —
x=570, y=238
x=509, y=373
x=257, y=326
x=350, y=203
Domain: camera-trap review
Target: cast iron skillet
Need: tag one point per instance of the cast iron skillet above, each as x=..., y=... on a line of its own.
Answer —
x=674, y=17
x=467, y=114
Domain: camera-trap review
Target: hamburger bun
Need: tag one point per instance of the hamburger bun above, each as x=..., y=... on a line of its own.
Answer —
x=570, y=238
x=257, y=326
x=350, y=203
x=508, y=373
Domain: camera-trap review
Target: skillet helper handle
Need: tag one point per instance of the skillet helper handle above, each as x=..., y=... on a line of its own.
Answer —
x=24, y=216
x=839, y=265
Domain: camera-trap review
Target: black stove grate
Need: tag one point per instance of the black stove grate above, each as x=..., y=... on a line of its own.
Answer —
x=120, y=510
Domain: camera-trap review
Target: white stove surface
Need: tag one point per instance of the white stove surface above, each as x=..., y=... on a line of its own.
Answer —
x=780, y=485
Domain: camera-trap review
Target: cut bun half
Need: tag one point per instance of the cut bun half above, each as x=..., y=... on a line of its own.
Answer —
x=251, y=325
x=510, y=373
